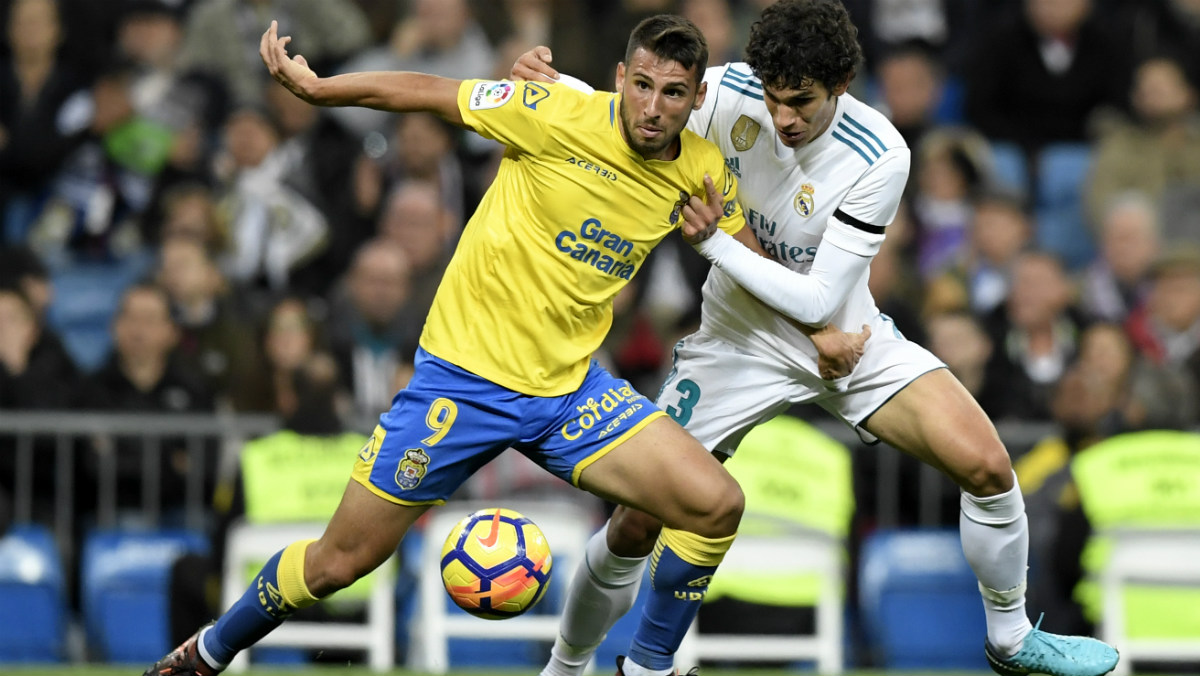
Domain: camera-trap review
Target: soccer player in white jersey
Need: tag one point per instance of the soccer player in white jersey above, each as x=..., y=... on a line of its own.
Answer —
x=821, y=178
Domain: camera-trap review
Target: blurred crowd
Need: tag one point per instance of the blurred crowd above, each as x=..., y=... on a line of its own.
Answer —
x=180, y=234
x=1046, y=249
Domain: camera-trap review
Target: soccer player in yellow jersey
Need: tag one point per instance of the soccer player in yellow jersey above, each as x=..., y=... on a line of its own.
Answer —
x=587, y=187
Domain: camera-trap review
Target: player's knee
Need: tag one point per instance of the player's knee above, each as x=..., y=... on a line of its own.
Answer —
x=724, y=512
x=632, y=533
x=330, y=570
x=992, y=473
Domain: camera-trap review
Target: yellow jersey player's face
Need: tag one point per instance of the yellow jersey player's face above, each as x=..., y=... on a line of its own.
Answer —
x=657, y=96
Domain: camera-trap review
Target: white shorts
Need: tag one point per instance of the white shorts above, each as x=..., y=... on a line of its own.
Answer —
x=719, y=391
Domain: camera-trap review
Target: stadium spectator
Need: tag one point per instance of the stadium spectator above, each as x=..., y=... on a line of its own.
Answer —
x=371, y=335
x=950, y=171
x=106, y=183
x=1166, y=332
x=1000, y=230
x=289, y=337
x=35, y=85
x=414, y=218
x=149, y=35
x=423, y=148
x=320, y=155
x=1037, y=77
x=945, y=26
x=189, y=209
x=959, y=339
x=35, y=370
x=222, y=38
x=910, y=84
x=439, y=37
x=275, y=229
x=213, y=341
x=1115, y=283
x=1156, y=151
x=1035, y=334
x=714, y=18
x=144, y=375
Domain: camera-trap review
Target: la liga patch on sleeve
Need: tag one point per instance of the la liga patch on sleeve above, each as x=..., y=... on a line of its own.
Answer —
x=488, y=95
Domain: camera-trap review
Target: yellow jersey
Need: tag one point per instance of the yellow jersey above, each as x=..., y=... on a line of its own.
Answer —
x=568, y=220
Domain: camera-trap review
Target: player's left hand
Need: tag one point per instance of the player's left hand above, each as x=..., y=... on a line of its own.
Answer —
x=838, y=352
x=293, y=73
x=701, y=216
x=535, y=65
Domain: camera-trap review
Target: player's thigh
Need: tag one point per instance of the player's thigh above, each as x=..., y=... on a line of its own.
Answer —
x=665, y=472
x=718, y=392
x=935, y=419
x=363, y=532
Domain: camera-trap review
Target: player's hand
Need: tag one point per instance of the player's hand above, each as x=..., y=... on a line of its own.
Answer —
x=535, y=65
x=700, y=217
x=838, y=352
x=293, y=73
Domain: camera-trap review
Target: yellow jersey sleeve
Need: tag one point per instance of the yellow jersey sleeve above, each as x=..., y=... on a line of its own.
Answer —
x=568, y=221
x=517, y=114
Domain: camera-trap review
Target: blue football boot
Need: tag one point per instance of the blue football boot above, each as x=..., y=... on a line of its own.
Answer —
x=1045, y=653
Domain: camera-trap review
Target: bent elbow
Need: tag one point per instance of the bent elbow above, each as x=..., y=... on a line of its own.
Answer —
x=819, y=314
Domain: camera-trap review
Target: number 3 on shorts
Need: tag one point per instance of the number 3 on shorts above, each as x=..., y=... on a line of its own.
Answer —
x=689, y=396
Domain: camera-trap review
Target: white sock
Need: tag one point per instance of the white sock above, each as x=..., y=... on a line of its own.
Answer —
x=603, y=589
x=995, y=540
x=203, y=652
x=631, y=668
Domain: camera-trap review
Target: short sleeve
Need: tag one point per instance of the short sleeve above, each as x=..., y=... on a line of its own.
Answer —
x=732, y=218
x=516, y=114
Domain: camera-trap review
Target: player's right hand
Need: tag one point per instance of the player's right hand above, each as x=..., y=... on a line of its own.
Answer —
x=535, y=65
x=293, y=73
x=838, y=352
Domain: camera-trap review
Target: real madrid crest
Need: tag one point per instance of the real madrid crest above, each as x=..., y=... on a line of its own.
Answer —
x=744, y=133
x=804, y=200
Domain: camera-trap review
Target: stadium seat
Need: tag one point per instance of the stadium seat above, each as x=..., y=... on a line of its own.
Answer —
x=437, y=624
x=124, y=578
x=33, y=612
x=1062, y=171
x=1009, y=166
x=919, y=601
x=85, y=298
x=1163, y=560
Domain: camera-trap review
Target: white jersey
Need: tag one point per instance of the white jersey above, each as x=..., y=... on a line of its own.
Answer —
x=849, y=179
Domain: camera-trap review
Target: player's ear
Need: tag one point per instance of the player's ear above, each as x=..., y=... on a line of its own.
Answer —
x=700, y=94
x=620, y=83
x=840, y=89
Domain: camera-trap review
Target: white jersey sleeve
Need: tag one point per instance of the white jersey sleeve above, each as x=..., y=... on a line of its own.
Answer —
x=858, y=223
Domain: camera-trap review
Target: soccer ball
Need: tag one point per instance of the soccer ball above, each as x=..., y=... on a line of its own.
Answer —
x=496, y=564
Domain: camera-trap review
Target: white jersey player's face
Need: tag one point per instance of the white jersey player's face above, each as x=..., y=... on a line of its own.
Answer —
x=801, y=115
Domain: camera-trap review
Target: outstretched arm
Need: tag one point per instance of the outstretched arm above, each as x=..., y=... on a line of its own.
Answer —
x=398, y=91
